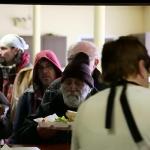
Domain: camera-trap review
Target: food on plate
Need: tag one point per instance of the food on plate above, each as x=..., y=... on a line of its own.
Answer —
x=53, y=121
x=62, y=119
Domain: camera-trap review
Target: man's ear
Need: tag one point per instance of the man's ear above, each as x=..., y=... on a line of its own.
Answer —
x=96, y=62
x=142, y=69
x=15, y=50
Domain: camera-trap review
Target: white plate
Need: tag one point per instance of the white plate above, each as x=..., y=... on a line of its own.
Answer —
x=6, y=147
x=25, y=148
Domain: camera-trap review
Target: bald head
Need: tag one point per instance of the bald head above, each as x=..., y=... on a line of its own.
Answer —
x=86, y=47
x=83, y=46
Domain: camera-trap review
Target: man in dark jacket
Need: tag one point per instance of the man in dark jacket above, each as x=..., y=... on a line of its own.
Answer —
x=46, y=69
x=5, y=124
x=76, y=86
x=92, y=51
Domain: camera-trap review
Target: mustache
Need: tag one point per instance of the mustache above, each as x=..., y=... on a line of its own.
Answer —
x=72, y=93
x=2, y=60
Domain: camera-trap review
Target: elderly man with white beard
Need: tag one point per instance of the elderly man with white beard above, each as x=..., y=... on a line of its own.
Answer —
x=76, y=86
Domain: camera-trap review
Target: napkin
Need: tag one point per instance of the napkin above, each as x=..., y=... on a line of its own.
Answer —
x=5, y=147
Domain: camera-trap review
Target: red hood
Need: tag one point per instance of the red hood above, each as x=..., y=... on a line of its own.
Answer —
x=51, y=56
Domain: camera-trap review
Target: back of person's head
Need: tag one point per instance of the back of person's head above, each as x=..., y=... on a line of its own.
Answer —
x=79, y=68
x=13, y=40
x=120, y=58
x=83, y=46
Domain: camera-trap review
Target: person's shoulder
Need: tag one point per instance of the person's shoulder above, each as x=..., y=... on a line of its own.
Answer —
x=55, y=85
x=139, y=90
x=29, y=90
x=97, y=96
x=27, y=68
x=56, y=81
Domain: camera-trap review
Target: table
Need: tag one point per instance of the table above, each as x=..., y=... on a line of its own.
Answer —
x=65, y=146
x=54, y=146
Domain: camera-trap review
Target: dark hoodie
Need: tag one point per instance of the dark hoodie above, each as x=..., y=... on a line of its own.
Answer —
x=31, y=99
x=51, y=56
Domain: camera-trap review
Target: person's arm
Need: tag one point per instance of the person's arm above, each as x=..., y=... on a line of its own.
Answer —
x=5, y=123
x=22, y=110
x=27, y=133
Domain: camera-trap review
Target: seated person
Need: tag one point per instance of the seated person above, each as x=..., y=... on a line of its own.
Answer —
x=76, y=85
x=46, y=69
x=5, y=124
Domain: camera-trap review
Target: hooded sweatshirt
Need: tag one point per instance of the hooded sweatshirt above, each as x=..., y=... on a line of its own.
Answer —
x=32, y=97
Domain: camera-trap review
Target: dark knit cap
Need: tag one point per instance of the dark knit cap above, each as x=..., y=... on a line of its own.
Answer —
x=79, y=68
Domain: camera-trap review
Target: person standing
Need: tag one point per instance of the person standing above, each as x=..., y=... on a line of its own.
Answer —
x=46, y=69
x=117, y=117
x=15, y=68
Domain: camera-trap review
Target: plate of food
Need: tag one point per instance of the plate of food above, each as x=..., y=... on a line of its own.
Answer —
x=55, y=122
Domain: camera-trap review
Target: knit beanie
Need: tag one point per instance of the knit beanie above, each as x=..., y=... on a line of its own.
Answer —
x=13, y=40
x=79, y=68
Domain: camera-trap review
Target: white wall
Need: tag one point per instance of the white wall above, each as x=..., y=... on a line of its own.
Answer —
x=74, y=21
x=147, y=18
x=10, y=11
x=123, y=20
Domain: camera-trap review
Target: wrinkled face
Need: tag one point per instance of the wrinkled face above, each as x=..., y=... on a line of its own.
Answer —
x=7, y=55
x=46, y=72
x=74, y=92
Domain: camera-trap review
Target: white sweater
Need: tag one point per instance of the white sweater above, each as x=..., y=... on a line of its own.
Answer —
x=89, y=132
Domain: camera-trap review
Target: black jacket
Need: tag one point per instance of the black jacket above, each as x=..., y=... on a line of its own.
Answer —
x=27, y=133
x=5, y=123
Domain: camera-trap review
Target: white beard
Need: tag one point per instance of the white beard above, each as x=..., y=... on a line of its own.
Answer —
x=74, y=100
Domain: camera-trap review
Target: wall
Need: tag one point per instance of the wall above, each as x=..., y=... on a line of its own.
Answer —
x=146, y=18
x=10, y=11
x=75, y=22
x=72, y=21
x=123, y=20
